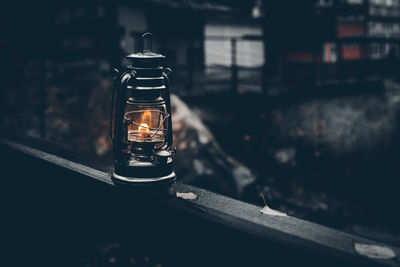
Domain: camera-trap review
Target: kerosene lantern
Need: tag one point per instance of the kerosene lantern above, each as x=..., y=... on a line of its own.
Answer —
x=142, y=132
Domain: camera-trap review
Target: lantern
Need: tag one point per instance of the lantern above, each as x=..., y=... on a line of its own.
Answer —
x=141, y=115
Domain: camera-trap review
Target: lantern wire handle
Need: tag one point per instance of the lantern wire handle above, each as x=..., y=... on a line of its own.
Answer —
x=115, y=77
x=167, y=93
x=147, y=41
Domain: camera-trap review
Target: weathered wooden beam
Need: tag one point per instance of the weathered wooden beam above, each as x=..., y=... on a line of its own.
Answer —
x=284, y=231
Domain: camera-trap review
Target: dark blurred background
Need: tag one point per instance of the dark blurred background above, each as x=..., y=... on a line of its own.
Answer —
x=296, y=100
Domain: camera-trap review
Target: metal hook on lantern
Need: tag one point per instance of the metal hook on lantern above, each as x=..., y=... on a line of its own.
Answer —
x=147, y=41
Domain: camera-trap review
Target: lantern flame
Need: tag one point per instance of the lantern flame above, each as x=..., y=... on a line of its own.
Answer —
x=144, y=128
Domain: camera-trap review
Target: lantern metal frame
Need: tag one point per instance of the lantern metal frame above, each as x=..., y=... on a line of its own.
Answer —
x=142, y=163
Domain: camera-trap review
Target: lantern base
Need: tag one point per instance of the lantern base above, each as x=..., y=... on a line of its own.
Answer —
x=147, y=181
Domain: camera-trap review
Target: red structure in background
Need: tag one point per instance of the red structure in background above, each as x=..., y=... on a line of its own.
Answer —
x=350, y=30
x=332, y=40
x=353, y=52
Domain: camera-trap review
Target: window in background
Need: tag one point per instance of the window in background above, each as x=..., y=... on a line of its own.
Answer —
x=218, y=52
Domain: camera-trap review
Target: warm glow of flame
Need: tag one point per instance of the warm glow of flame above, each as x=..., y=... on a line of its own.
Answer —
x=144, y=128
x=146, y=117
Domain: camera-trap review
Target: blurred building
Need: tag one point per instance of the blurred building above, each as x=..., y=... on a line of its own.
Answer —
x=314, y=42
x=58, y=56
x=195, y=37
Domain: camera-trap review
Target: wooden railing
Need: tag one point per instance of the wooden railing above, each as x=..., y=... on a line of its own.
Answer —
x=57, y=201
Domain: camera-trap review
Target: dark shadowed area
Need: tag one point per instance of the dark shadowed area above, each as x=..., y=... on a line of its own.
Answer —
x=290, y=104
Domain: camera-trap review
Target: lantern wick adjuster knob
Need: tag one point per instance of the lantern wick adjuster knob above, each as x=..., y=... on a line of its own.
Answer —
x=147, y=41
x=161, y=156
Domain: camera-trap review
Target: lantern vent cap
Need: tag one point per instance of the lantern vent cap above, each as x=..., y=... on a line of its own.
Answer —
x=146, y=54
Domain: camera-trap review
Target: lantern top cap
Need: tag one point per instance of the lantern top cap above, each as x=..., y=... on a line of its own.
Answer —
x=146, y=57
